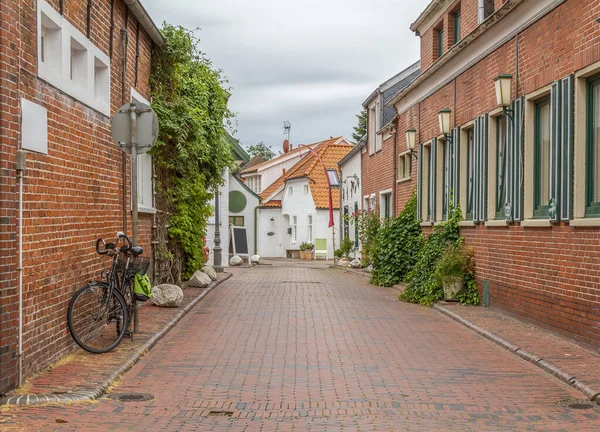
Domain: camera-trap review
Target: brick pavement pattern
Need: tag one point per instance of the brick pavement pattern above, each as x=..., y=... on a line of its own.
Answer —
x=284, y=347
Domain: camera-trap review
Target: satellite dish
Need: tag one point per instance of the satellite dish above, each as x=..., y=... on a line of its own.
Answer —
x=286, y=146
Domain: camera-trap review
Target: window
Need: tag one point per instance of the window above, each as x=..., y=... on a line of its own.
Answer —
x=356, y=224
x=456, y=24
x=425, y=166
x=290, y=191
x=486, y=8
x=444, y=165
x=593, y=150
x=144, y=163
x=78, y=65
x=501, y=165
x=310, y=228
x=236, y=220
x=386, y=205
x=306, y=190
x=470, y=172
x=294, y=229
x=405, y=166
x=372, y=129
x=541, y=157
x=439, y=38
x=254, y=184
x=69, y=61
x=334, y=180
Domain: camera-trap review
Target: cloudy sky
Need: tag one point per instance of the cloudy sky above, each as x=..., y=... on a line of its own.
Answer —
x=312, y=62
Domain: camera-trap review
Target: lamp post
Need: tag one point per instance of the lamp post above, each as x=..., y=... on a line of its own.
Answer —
x=217, y=249
x=444, y=119
x=503, y=84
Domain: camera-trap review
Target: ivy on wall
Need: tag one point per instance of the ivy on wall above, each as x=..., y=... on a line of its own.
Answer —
x=191, y=152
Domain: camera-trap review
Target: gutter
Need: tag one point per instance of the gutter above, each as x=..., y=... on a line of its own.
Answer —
x=144, y=18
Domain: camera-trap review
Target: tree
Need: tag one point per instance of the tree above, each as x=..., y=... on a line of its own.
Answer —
x=190, y=154
x=360, y=129
x=261, y=149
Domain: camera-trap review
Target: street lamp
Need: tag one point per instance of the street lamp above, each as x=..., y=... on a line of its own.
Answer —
x=503, y=85
x=411, y=139
x=444, y=118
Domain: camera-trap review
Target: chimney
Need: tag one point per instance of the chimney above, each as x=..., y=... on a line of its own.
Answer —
x=282, y=171
x=291, y=146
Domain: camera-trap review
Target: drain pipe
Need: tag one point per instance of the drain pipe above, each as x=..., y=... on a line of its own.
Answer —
x=21, y=162
x=256, y=230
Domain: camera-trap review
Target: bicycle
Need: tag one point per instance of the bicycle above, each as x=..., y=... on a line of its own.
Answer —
x=100, y=314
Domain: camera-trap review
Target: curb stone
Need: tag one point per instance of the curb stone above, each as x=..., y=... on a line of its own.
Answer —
x=591, y=394
x=97, y=392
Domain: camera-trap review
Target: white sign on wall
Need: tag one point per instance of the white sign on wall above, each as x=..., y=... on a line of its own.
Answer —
x=34, y=127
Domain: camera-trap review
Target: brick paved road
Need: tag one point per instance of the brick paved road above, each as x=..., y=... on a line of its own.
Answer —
x=280, y=348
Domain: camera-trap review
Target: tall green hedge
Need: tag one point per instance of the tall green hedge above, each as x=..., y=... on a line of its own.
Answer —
x=397, y=247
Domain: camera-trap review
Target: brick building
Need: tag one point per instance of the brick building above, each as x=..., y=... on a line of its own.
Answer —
x=378, y=162
x=528, y=178
x=65, y=69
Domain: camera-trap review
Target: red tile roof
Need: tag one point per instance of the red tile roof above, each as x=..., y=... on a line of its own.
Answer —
x=331, y=152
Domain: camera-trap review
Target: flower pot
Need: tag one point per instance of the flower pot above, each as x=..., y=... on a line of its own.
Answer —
x=452, y=288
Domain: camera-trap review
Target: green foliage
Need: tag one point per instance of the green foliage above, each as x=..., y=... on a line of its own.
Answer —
x=261, y=149
x=345, y=248
x=421, y=284
x=191, y=151
x=456, y=262
x=360, y=129
x=469, y=294
x=368, y=223
x=306, y=247
x=397, y=247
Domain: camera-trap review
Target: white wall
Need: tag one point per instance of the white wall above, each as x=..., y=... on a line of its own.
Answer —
x=270, y=174
x=322, y=229
x=350, y=197
x=271, y=245
x=299, y=205
x=247, y=213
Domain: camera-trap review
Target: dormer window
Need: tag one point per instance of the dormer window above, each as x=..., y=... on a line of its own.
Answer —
x=486, y=8
x=375, y=140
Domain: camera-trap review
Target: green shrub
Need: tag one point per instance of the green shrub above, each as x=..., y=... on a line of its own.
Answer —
x=455, y=264
x=422, y=286
x=369, y=225
x=345, y=248
x=397, y=247
x=306, y=247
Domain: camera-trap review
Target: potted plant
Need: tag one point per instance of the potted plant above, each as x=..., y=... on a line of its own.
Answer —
x=456, y=263
x=306, y=251
x=343, y=253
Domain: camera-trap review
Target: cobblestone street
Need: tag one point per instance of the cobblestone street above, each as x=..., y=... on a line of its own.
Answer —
x=290, y=347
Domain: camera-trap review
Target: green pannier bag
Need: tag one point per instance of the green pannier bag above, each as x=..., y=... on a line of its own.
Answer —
x=142, y=289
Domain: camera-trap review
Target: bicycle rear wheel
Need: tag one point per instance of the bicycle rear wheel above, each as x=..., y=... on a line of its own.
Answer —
x=96, y=321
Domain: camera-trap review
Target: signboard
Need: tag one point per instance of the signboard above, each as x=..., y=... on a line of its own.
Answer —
x=239, y=240
x=146, y=127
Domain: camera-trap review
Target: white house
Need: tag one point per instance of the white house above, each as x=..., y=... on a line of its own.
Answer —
x=295, y=208
x=351, y=194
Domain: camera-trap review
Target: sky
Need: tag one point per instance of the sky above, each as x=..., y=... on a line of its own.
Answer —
x=310, y=62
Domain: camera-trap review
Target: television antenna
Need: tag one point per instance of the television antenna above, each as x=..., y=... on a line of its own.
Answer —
x=287, y=128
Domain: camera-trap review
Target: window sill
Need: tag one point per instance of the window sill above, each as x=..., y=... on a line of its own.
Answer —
x=537, y=223
x=466, y=224
x=585, y=222
x=426, y=224
x=496, y=223
x=404, y=180
x=144, y=209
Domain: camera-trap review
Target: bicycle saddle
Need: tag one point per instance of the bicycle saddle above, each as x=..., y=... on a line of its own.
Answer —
x=136, y=250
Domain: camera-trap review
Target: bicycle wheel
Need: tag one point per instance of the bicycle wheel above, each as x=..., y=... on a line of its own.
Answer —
x=97, y=322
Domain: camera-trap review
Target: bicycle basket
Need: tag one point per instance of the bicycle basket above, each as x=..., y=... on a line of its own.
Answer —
x=137, y=265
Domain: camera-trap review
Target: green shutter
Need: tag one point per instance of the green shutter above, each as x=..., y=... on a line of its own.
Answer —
x=555, y=146
x=480, y=165
x=514, y=177
x=446, y=182
x=456, y=166
x=566, y=165
x=432, y=179
x=419, y=182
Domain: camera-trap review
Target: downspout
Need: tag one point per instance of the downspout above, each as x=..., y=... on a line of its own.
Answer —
x=21, y=161
x=517, y=66
x=124, y=39
x=395, y=165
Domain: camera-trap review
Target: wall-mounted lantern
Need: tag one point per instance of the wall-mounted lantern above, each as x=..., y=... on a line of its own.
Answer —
x=503, y=97
x=411, y=139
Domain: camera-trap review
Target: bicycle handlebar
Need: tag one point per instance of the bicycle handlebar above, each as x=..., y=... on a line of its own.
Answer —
x=107, y=247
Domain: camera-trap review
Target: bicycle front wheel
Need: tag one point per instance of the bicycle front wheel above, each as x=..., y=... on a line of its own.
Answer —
x=97, y=318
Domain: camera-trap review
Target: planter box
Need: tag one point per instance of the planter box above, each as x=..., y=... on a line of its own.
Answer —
x=451, y=289
x=306, y=255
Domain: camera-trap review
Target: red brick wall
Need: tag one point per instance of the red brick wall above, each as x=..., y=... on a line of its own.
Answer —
x=378, y=169
x=72, y=195
x=547, y=275
x=404, y=190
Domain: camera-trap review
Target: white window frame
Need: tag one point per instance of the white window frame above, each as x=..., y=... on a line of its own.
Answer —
x=372, y=128
x=290, y=191
x=406, y=159
x=294, y=220
x=465, y=130
x=309, y=222
x=382, y=195
x=306, y=190
x=145, y=169
x=56, y=66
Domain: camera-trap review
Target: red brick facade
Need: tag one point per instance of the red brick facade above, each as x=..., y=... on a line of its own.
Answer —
x=378, y=169
x=73, y=194
x=548, y=275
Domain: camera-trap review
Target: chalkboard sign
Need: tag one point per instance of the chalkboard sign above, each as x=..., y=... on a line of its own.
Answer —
x=240, y=240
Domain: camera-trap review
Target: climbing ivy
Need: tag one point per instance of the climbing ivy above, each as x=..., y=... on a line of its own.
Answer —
x=397, y=247
x=191, y=152
x=421, y=284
